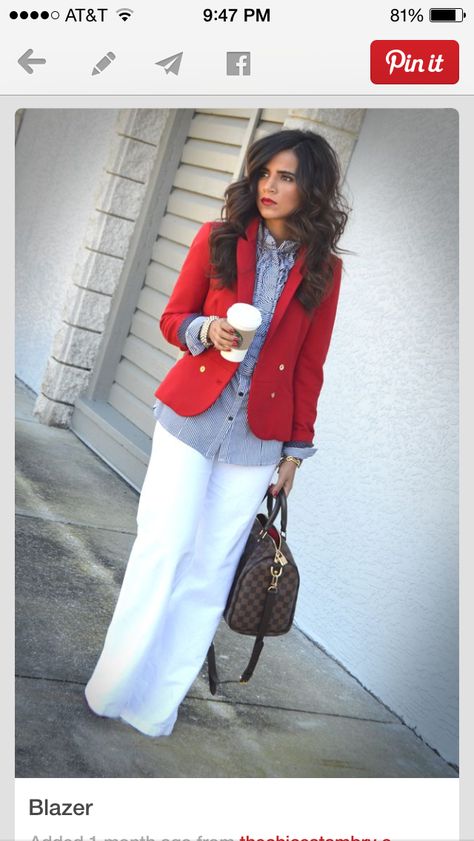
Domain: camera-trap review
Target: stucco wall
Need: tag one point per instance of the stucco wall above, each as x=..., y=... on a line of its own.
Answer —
x=60, y=155
x=378, y=504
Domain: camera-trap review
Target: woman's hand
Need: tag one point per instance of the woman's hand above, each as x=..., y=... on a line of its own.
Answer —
x=286, y=475
x=222, y=335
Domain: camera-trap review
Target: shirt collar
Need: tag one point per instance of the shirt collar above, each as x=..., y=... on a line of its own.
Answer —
x=267, y=241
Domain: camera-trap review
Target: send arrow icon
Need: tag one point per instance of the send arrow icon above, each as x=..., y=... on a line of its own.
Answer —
x=172, y=63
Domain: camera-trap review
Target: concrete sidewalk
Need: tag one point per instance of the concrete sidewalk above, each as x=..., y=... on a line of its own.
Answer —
x=302, y=715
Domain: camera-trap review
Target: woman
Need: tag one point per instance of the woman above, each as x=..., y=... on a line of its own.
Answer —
x=224, y=428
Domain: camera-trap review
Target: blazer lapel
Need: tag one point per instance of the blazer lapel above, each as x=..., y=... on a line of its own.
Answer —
x=289, y=290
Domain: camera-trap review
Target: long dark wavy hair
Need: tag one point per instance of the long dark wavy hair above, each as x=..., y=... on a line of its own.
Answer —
x=317, y=224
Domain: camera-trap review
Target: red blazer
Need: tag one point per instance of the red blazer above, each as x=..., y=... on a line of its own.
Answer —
x=288, y=376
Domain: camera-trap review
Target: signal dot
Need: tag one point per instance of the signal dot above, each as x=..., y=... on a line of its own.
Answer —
x=54, y=15
x=13, y=15
x=23, y=15
x=34, y=15
x=45, y=15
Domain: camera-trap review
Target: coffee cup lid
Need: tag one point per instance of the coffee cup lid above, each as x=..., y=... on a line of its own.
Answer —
x=245, y=316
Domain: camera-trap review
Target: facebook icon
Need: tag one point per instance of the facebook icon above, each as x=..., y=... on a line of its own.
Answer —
x=238, y=64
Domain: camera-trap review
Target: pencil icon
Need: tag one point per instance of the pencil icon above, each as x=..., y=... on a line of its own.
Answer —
x=103, y=63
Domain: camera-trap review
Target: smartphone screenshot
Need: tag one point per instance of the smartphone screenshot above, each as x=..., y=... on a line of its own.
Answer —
x=235, y=242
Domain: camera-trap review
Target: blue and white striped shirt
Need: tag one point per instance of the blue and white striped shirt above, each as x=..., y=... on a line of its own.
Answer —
x=222, y=431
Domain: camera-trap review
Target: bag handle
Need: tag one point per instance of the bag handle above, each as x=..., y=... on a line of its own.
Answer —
x=275, y=505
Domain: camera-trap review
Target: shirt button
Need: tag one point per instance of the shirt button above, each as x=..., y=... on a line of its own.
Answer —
x=230, y=417
x=241, y=393
x=202, y=369
x=281, y=367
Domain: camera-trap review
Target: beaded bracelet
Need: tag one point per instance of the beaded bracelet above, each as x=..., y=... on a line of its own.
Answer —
x=205, y=330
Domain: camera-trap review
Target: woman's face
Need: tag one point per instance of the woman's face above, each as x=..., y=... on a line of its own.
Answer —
x=278, y=195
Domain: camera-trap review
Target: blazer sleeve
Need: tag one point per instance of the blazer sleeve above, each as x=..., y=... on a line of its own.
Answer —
x=308, y=376
x=190, y=290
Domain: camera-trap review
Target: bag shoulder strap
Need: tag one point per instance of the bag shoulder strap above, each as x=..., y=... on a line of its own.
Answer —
x=256, y=650
x=259, y=640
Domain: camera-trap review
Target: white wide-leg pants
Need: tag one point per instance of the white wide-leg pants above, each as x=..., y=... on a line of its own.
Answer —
x=194, y=517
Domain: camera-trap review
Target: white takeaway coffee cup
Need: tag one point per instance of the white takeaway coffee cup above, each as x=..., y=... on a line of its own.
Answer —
x=244, y=318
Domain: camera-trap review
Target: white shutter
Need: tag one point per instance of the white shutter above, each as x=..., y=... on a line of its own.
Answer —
x=212, y=157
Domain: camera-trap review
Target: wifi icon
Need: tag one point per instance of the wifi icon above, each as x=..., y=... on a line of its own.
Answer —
x=125, y=14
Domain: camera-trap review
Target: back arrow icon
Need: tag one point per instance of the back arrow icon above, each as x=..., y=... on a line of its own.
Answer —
x=25, y=61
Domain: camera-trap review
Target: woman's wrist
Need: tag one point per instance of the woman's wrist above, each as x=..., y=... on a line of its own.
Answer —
x=286, y=475
x=204, y=331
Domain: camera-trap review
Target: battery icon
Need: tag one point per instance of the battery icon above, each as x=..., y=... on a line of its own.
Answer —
x=447, y=15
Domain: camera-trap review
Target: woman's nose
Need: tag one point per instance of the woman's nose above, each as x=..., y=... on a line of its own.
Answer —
x=271, y=185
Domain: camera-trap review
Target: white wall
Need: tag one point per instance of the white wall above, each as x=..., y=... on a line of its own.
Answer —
x=60, y=155
x=377, y=505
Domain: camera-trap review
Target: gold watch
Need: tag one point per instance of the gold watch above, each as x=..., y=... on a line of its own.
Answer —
x=294, y=459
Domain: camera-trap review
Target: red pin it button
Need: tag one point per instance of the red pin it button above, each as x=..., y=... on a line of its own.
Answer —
x=414, y=62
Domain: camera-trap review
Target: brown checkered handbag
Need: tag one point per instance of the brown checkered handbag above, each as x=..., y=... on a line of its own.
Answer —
x=263, y=595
